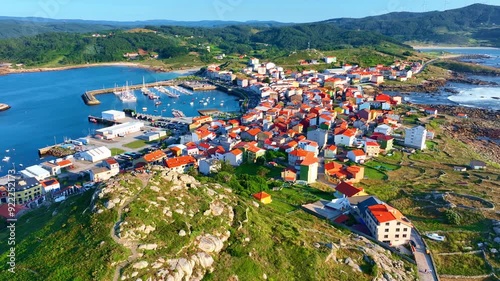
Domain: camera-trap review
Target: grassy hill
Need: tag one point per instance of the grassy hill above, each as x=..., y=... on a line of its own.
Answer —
x=172, y=224
x=472, y=25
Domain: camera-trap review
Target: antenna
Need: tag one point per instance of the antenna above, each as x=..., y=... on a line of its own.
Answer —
x=308, y=45
x=446, y=2
x=424, y=6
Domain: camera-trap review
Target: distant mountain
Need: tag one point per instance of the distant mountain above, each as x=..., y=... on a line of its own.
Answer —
x=471, y=25
x=11, y=27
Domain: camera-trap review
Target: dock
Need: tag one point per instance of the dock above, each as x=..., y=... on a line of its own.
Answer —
x=209, y=111
x=4, y=106
x=199, y=86
x=90, y=99
x=99, y=120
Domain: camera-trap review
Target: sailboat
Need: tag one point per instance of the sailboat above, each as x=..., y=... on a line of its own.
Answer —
x=127, y=95
x=145, y=91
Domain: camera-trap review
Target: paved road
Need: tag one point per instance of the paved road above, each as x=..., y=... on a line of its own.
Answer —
x=423, y=260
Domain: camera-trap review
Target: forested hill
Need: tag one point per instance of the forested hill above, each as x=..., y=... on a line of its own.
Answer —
x=55, y=49
x=471, y=25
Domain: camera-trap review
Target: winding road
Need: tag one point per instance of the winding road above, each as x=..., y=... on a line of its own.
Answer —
x=426, y=270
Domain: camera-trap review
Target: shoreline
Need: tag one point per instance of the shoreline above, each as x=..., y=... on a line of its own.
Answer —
x=186, y=70
x=441, y=47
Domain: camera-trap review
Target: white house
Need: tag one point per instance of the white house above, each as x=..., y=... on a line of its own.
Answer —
x=208, y=166
x=384, y=129
x=235, y=157
x=346, y=138
x=356, y=155
x=96, y=154
x=108, y=169
x=319, y=136
x=415, y=137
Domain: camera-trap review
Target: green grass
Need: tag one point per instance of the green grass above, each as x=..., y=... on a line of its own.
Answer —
x=374, y=174
x=116, y=151
x=252, y=169
x=135, y=144
x=467, y=265
x=52, y=241
x=381, y=166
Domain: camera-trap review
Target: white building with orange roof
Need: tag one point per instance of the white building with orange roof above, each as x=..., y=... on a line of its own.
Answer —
x=372, y=149
x=356, y=155
x=234, y=157
x=387, y=224
x=346, y=137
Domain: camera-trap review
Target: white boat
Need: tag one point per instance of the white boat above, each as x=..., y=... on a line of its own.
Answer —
x=6, y=159
x=435, y=236
x=127, y=95
x=191, y=103
x=21, y=165
x=144, y=109
x=7, y=151
x=205, y=103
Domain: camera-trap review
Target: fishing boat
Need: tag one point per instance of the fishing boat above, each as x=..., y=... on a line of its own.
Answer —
x=6, y=159
x=157, y=103
x=144, y=109
x=191, y=103
x=178, y=113
x=93, y=120
x=7, y=150
x=21, y=165
x=435, y=236
x=205, y=103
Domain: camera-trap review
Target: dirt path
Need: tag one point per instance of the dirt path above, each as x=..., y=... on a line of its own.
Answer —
x=132, y=246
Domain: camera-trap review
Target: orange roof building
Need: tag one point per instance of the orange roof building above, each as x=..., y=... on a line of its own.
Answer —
x=154, y=156
x=263, y=197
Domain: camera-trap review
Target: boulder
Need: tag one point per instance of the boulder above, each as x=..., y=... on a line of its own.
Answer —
x=210, y=244
x=204, y=259
x=496, y=240
x=140, y=265
x=182, y=232
x=217, y=208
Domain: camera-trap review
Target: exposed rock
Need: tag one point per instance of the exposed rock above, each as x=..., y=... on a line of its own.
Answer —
x=140, y=265
x=352, y=264
x=496, y=240
x=210, y=244
x=148, y=247
x=182, y=232
x=217, y=208
x=109, y=205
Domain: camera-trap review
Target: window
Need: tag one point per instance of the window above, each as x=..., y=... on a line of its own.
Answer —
x=397, y=229
x=405, y=229
x=404, y=235
x=399, y=223
x=386, y=223
x=397, y=236
x=387, y=230
x=386, y=236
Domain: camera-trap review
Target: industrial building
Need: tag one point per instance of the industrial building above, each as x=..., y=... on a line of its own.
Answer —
x=119, y=130
x=36, y=172
x=153, y=135
x=113, y=115
x=96, y=154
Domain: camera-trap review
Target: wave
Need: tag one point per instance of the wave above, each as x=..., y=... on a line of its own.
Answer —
x=483, y=97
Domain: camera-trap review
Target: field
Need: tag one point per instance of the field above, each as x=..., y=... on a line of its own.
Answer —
x=136, y=144
x=116, y=151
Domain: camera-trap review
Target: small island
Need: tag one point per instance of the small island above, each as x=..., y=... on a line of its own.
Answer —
x=4, y=106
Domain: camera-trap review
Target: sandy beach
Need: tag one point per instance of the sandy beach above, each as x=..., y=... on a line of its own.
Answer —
x=6, y=71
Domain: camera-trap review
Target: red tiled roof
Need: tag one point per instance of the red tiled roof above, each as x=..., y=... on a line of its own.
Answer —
x=179, y=161
x=332, y=148
x=347, y=189
x=49, y=182
x=309, y=160
x=236, y=152
x=261, y=195
x=384, y=213
x=111, y=161
x=155, y=156
x=358, y=152
x=372, y=143
x=6, y=213
x=64, y=163
x=341, y=219
x=333, y=166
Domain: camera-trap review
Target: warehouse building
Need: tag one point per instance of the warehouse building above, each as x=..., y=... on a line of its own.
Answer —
x=96, y=154
x=113, y=115
x=36, y=172
x=119, y=130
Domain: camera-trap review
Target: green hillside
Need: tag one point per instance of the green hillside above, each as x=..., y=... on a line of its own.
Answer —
x=175, y=225
x=471, y=25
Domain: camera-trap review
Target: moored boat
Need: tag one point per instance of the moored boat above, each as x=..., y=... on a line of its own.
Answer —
x=435, y=236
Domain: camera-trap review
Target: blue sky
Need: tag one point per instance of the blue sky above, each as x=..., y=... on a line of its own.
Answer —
x=239, y=10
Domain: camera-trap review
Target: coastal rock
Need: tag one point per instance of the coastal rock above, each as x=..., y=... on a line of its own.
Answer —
x=148, y=247
x=210, y=244
x=217, y=208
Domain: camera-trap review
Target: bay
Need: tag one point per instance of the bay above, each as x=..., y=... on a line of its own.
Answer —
x=47, y=106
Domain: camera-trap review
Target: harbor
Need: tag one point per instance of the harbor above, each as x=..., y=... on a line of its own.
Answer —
x=89, y=97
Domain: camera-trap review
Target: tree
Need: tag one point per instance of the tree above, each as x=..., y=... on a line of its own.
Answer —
x=261, y=171
x=260, y=161
x=225, y=166
x=453, y=217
